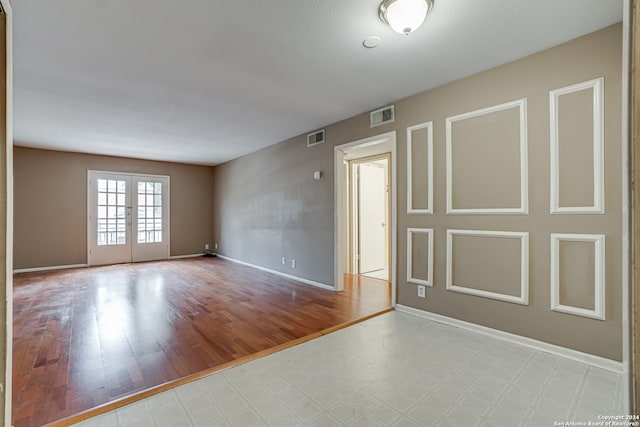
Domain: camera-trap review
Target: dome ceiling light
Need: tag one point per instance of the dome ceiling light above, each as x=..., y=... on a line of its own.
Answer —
x=405, y=16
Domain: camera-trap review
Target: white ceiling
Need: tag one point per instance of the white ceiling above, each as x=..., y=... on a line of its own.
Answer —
x=203, y=81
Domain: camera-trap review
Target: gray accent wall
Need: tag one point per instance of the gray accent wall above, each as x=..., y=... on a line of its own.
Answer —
x=268, y=206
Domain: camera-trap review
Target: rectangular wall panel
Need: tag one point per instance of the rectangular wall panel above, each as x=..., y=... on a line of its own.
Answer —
x=578, y=274
x=577, y=148
x=420, y=169
x=420, y=256
x=487, y=160
x=489, y=264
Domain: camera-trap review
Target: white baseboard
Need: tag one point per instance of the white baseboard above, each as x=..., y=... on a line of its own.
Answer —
x=590, y=359
x=279, y=273
x=186, y=256
x=64, y=267
x=55, y=267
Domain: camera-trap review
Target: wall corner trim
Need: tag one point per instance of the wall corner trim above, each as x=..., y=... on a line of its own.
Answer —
x=279, y=273
x=589, y=359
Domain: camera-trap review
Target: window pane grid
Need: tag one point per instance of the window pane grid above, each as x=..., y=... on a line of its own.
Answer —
x=112, y=213
x=149, y=212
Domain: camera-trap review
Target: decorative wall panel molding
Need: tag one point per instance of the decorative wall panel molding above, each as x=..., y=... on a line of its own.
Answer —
x=411, y=208
x=595, y=273
x=522, y=279
x=494, y=161
x=580, y=143
x=428, y=280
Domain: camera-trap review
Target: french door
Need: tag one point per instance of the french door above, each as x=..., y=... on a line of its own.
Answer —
x=128, y=217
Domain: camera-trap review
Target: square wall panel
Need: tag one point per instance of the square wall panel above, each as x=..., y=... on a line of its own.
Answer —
x=489, y=264
x=420, y=256
x=420, y=169
x=578, y=274
x=487, y=161
x=577, y=148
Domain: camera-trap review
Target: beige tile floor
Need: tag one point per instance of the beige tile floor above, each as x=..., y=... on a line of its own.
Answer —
x=392, y=370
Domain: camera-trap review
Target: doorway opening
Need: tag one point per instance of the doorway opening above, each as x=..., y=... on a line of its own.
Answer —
x=127, y=218
x=369, y=216
x=355, y=225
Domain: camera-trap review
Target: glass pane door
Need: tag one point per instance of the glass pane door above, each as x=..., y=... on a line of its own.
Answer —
x=112, y=212
x=149, y=212
x=109, y=219
x=127, y=218
x=150, y=222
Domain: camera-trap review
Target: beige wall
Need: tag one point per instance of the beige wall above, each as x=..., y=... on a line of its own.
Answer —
x=50, y=195
x=268, y=206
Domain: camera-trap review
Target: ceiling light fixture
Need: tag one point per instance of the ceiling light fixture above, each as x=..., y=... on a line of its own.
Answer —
x=405, y=16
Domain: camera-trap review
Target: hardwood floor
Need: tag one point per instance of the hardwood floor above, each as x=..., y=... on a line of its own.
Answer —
x=87, y=337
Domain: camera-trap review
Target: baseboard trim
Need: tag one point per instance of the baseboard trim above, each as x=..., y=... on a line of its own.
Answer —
x=55, y=267
x=65, y=267
x=589, y=359
x=280, y=273
x=186, y=256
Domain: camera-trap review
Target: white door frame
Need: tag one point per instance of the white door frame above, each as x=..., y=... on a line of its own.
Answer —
x=627, y=213
x=379, y=144
x=8, y=369
x=90, y=207
x=354, y=213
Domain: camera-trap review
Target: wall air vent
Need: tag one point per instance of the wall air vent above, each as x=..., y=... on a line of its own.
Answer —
x=382, y=116
x=315, y=138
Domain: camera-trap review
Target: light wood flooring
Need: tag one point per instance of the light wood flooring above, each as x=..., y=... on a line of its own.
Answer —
x=93, y=336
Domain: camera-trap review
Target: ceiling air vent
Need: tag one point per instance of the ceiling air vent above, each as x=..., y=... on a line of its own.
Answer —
x=382, y=116
x=315, y=138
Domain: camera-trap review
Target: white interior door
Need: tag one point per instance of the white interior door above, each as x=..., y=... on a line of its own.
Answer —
x=372, y=207
x=127, y=218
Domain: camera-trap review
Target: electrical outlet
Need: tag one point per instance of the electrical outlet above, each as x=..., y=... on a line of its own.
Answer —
x=284, y=261
x=206, y=246
x=215, y=245
x=293, y=263
x=421, y=291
